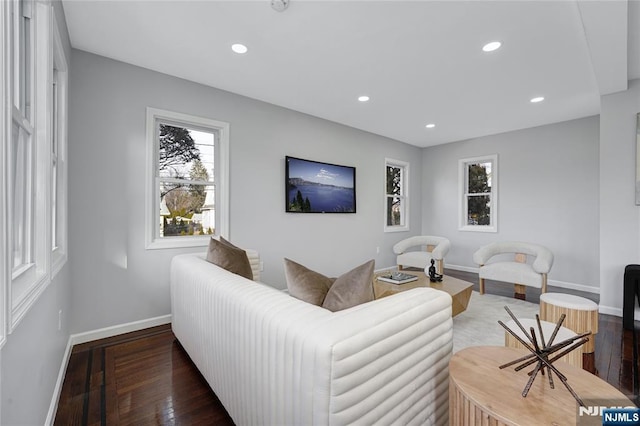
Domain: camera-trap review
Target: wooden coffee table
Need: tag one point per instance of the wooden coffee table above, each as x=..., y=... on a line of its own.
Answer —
x=459, y=290
x=480, y=393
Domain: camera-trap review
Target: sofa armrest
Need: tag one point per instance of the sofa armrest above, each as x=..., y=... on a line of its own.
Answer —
x=394, y=352
x=484, y=253
x=544, y=260
x=441, y=250
x=254, y=261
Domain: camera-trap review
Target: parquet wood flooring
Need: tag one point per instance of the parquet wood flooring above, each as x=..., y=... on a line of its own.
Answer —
x=146, y=378
x=141, y=378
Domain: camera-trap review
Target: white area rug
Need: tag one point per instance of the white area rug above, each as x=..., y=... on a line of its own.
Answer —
x=478, y=325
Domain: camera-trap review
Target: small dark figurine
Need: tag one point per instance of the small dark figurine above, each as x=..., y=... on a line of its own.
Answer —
x=433, y=277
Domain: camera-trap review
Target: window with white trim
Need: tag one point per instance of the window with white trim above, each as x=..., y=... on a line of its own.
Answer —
x=21, y=149
x=187, y=195
x=5, y=125
x=58, y=116
x=29, y=153
x=478, y=180
x=396, y=195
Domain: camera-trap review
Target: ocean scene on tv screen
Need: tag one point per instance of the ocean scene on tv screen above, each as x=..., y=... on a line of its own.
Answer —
x=320, y=188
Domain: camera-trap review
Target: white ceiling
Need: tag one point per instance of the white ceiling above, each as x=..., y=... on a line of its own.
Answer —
x=419, y=61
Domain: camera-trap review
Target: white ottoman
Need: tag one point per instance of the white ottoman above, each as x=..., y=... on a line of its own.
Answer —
x=582, y=315
x=574, y=357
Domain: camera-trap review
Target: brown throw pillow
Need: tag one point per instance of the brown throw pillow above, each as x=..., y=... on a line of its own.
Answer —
x=227, y=256
x=305, y=284
x=335, y=294
x=351, y=289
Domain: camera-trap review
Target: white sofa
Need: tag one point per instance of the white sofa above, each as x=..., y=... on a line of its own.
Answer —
x=274, y=360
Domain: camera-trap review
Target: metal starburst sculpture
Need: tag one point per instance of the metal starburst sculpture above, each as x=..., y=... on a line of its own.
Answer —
x=543, y=353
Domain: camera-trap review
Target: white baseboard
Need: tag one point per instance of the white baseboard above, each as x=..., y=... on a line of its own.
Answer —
x=610, y=310
x=88, y=336
x=53, y=407
x=103, y=333
x=554, y=283
x=573, y=286
x=461, y=268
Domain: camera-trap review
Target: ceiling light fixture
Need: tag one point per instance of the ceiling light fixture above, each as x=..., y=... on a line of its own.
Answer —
x=537, y=99
x=239, y=48
x=279, y=5
x=490, y=47
x=363, y=98
x=430, y=126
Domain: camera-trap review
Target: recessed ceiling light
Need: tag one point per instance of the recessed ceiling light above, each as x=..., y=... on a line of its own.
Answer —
x=430, y=126
x=537, y=99
x=490, y=47
x=363, y=98
x=239, y=48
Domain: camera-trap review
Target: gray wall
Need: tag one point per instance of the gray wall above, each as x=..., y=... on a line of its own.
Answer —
x=30, y=359
x=115, y=280
x=32, y=356
x=548, y=194
x=619, y=216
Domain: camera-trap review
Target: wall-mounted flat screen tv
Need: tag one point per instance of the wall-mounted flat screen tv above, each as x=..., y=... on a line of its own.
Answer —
x=315, y=187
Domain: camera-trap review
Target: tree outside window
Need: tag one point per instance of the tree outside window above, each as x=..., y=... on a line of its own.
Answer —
x=396, y=201
x=188, y=180
x=185, y=176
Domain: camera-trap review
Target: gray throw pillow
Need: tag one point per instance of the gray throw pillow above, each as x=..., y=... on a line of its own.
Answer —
x=227, y=256
x=350, y=289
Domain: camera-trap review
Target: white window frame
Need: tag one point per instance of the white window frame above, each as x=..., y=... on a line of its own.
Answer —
x=59, y=253
x=404, y=196
x=463, y=181
x=5, y=134
x=28, y=283
x=221, y=179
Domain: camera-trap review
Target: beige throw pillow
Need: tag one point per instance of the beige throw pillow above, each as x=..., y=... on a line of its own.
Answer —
x=350, y=289
x=227, y=256
x=305, y=284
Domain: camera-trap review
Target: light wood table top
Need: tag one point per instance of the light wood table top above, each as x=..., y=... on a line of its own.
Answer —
x=459, y=290
x=479, y=390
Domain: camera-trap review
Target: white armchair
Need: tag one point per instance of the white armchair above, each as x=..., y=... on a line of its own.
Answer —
x=436, y=248
x=515, y=270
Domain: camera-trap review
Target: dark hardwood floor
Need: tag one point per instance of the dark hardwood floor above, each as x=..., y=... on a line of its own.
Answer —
x=146, y=378
x=139, y=378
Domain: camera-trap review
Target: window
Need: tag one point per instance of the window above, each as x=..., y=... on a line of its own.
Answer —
x=396, y=195
x=58, y=179
x=5, y=123
x=21, y=150
x=478, y=179
x=29, y=153
x=187, y=198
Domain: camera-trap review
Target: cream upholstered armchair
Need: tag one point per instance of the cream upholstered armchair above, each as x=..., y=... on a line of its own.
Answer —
x=526, y=265
x=436, y=248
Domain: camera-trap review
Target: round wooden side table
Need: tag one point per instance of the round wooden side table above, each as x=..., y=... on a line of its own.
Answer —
x=581, y=315
x=480, y=393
